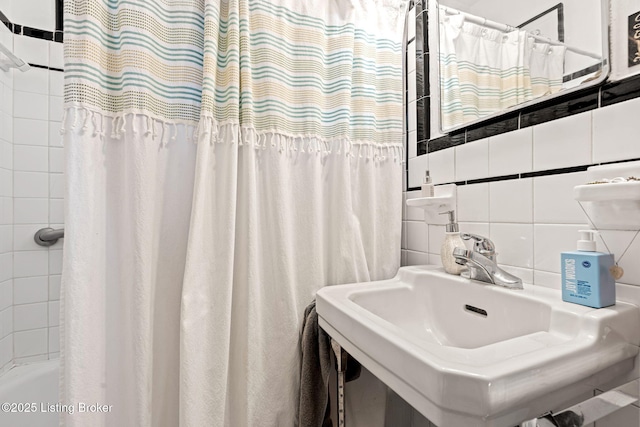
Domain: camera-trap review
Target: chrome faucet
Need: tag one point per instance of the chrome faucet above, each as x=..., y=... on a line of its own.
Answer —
x=481, y=263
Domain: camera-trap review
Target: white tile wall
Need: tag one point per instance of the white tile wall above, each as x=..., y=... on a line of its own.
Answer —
x=532, y=220
x=562, y=143
x=6, y=209
x=31, y=192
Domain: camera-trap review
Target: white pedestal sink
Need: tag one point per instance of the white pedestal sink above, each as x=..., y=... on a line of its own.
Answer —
x=470, y=354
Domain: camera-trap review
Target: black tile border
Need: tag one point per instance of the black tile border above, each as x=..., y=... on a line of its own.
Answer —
x=54, y=36
x=588, y=99
x=535, y=174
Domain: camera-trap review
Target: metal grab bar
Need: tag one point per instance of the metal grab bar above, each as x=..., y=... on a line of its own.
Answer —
x=48, y=236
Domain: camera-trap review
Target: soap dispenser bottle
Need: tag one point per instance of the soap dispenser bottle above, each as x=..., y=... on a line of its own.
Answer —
x=451, y=241
x=586, y=276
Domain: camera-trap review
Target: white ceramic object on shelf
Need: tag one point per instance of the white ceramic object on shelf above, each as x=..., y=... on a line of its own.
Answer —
x=470, y=354
x=444, y=199
x=612, y=206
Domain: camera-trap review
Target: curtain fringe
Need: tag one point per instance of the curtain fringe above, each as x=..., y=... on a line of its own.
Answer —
x=208, y=130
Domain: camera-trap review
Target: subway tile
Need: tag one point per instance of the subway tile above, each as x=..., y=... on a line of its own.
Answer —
x=30, y=290
x=54, y=339
x=30, y=106
x=6, y=183
x=6, y=239
x=30, y=316
x=417, y=237
x=56, y=159
x=412, y=142
x=31, y=343
x=31, y=359
x=417, y=167
x=35, y=81
x=6, y=271
x=417, y=258
x=562, y=143
x=442, y=166
x=412, y=112
x=411, y=57
x=32, y=50
x=30, y=158
x=23, y=237
x=55, y=108
x=553, y=200
x=6, y=155
x=54, y=287
x=31, y=210
x=477, y=228
x=30, y=263
x=411, y=25
x=56, y=185
x=403, y=232
x=472, y=160
x=473, y=203
x=31, y=132
x=514, y=243
x=6, y=103
x=511, y=201
x=56, y=81
x=54, y=313
x=411, y=86
x=56, y=211
x=6, y=322
x=547, y=279
x=6, y=210
x=435, y=259
x=614, y=128
x=412, y=213
x=30, y=184
x=55, y=260
x=56, y=59
x=55, y=139
x=511, y=153
x=550, y=240
x=6, y=350
x=6, y=289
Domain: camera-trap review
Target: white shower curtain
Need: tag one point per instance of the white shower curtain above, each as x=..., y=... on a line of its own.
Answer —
x=187, y=267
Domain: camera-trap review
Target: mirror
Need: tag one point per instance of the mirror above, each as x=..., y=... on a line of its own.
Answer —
x=497, y=56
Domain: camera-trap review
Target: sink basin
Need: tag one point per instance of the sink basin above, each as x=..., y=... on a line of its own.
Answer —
x=465, y=353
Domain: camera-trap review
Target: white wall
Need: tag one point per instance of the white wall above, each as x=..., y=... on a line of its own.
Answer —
x=32, y=196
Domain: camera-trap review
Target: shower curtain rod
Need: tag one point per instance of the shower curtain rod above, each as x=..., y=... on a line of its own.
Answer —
x=504, y=27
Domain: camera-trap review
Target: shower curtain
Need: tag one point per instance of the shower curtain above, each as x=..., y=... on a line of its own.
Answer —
x=483, y=70
x=187, y=266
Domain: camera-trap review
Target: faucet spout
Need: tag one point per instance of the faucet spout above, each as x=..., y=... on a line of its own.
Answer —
x=485, y=269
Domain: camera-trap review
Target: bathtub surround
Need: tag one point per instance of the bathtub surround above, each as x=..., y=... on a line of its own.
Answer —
x=202, y=257
x=6, y=210
x=32, y=103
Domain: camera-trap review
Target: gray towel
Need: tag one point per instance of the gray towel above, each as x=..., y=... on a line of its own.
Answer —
x=315, y=367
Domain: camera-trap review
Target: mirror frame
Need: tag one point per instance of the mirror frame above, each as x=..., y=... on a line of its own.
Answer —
x=604, y=13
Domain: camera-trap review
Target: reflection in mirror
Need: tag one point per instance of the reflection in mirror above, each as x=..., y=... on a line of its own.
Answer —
x=496, y=56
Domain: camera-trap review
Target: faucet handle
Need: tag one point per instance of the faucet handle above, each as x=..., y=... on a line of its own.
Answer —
x=481, y=244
